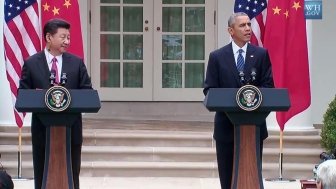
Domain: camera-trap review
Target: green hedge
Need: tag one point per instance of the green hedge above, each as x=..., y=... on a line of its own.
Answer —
x=328, y=133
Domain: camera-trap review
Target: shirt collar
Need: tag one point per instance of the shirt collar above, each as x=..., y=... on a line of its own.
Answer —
x=49, y=56
x=235, y=47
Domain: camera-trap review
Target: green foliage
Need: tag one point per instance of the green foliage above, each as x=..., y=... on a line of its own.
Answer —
x=328, y=133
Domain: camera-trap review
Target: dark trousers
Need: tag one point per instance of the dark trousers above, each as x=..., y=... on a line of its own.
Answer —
x=224, y=152
x=38, y=144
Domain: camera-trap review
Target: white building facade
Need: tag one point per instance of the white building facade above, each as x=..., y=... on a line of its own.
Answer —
x=147, y=58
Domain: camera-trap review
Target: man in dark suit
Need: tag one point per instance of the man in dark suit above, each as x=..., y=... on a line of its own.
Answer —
x=223, y=72
x=35, y=75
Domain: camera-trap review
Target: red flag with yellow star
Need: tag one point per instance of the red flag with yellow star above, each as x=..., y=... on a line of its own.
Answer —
x=286, y=39
x=67, y=10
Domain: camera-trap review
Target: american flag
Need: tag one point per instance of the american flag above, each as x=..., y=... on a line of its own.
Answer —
x=21, y=30
x=256, y=9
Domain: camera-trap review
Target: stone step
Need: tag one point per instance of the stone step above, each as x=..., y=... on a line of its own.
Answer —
x=164, y=154
x=116, y=137
x=163, y=148
x=167, y=169
x=149, y=138
x=292, y=155
x=307, y=141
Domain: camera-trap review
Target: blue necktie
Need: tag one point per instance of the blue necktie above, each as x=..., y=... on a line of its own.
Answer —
x=240, y=61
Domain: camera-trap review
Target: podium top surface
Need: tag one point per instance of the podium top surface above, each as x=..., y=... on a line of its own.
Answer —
x=224, y=100
x=82, y=100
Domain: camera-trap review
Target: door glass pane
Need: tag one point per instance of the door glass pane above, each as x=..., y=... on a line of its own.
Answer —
x=133, y=1
x=109, y=46
x=133, y=74
x=172, y=2
x=132, y=19
x=172, y=75
x=194, y=47
x=194, y=75
x=194, y=19
x=172, y=47
x=194, y=1
x=133, y=47
x=109, y=18
x=172, y=19
x=110, y=1
x=110, y=74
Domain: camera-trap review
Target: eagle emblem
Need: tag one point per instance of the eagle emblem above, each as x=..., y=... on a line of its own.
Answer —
x=57, y=98
x=249, y=97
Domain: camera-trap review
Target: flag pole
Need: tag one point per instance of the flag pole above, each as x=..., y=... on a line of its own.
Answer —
x=280, y=178
x=20, y=154
x=19, y=176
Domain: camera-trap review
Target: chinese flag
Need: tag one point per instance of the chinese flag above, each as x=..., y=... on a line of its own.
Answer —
x=286, y=40
x=67, y=10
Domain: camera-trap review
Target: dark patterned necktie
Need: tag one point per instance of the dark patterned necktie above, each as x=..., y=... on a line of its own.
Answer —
x=240, y=61
x=54, y=67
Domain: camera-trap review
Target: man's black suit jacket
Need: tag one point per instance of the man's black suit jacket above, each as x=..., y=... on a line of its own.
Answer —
x=36, y=73
x=222, y=73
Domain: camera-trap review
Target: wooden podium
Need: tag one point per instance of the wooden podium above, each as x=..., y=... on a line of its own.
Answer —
x=57, y=168
x=247, y=173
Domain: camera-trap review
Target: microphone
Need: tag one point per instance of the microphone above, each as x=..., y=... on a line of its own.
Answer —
x=242, y=77
x=253, y=74
x=63, y=79
x=52, y=77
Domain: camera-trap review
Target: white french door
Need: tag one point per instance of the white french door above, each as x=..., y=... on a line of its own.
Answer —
x=151, y=50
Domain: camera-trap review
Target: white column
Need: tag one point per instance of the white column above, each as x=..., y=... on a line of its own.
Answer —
x=303, y=120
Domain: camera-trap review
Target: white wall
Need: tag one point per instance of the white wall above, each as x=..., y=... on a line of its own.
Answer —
x=323, y=65
x=322, y=62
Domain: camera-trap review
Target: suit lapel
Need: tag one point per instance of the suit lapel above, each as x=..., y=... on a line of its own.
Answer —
x=249, y=59
x=231, y=63
x=65, y=63
x=43, y=67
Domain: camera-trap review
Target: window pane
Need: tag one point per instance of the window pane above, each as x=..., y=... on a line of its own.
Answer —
x=194, y=1
x=109, y=46
x=110, y=74
x=132, y=19
x=194, y=19
x=171, y=47
x=172, y=75
x=194, y=75
x=109, y=18
x=133, y=1
x=172, y=2
x=110, y=1
x=194, y=47
x=172, y=19
x=133, y=47
x=133, y=75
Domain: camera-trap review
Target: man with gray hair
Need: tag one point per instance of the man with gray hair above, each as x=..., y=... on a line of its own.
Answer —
x=224, y=67
x=326, y=175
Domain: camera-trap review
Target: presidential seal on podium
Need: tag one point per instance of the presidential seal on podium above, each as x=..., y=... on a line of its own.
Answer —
x=57, y=98
x=249, y=97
